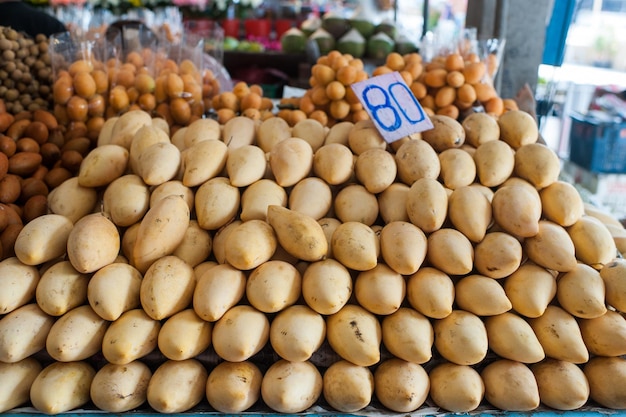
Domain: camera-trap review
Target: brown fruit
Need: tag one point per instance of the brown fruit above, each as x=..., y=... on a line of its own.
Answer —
x=24, y=163
x=27, y=144
x=38, y=131
x=118, y=98
x=180, y=111
x=4, y=165
x=7, y=145
x=31, y=187
x=62, y=90
x=102, y=81
x=46, y=118
x=71, y=160
x=34, y=207
x=17, y=128
x=474, y=72
x=77, y=109
x=96, y=105
x=174, y=86
x=10, y=189
x=8, y=237
x=6, y=119
x=56, y=176
x=79, y=144
x=84, y=84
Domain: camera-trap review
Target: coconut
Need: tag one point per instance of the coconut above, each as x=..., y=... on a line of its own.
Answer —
x=293, y=41
x=404, y=45
x=334, y=24
x=364, y=26
x=310, y=25
x=352, y=43
x=388, y=27
x=325, y=42
x=379, y=46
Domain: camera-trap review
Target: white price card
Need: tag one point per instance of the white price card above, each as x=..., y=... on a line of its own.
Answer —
x=392, y=106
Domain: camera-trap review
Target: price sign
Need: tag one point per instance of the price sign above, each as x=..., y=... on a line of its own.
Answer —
x=392, y=106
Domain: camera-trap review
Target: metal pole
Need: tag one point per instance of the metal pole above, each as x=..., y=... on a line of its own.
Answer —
x=502, y=10
x=500, y=28
x=425, y=17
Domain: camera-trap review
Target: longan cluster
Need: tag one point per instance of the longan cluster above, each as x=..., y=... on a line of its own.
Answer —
x=80, y=98
x=25, y=71
x=177, y=91
x=171, y=90
x=289, y=110
x=453, y=83
x=88, y=91
x=447, y=85
x=330, y=98
x=243, y=100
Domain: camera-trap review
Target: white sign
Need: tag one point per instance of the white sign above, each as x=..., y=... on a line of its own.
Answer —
x=392, y=106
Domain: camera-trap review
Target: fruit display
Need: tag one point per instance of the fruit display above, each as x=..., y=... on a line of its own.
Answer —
x=25, y=72
x=450, y=85
x=210, y=265
x=89, y=91
x=243, y=100
x=284, y=258
x=358, y=36
x=231, y=43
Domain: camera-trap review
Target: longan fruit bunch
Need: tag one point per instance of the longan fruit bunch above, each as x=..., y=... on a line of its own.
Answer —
x=451, y=84
x=132, y=83
x=243, y=100
x=157, y=84
x=330, y=98
x=289, y=111
x=80, y=95
x=210, y=87
x=410, y=66
x=25, y=71
x=178, y=93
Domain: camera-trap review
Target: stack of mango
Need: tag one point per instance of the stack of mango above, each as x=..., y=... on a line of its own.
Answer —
x=453, y=266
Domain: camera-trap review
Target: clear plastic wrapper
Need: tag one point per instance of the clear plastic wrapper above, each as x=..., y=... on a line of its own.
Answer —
x=490, y=52
x=81, y=82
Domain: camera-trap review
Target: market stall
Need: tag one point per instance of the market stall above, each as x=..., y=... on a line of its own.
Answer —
x=394, y=240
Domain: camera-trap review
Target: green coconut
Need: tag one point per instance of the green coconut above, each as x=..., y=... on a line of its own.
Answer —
x=387, y=27
x=293, y=41
x=404, y=45
x=310, y=25
x=325, y=42
x=352, y=43
x=336, y=25
x=379, y=46
x=364, y=26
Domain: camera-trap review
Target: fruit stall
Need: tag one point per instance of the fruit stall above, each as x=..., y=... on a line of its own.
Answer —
x=177, y=242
